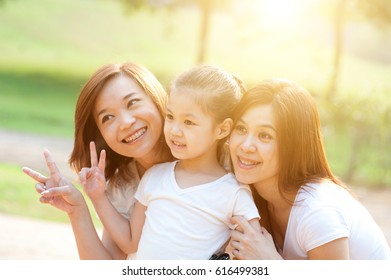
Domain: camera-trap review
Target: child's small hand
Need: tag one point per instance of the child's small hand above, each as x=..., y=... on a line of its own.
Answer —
x=93, y=179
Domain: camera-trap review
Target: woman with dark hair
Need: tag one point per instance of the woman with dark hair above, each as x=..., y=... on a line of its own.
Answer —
x=276, y=146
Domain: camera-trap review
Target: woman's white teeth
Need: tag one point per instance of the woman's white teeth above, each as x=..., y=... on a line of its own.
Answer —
x=136, y=135
x=247, y=162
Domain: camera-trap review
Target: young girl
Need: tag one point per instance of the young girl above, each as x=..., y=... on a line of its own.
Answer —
x=187, y=204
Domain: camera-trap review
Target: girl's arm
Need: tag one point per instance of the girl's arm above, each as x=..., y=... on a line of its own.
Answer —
x=137, y=221
x=94, y=183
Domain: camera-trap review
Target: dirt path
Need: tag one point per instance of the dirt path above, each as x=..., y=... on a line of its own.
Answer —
x=24, y=238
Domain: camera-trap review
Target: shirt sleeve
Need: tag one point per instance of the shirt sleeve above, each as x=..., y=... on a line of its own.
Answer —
x=320, y=226
x=140, y=194
x=244, y=204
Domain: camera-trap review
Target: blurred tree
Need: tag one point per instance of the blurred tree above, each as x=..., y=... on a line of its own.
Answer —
x=377, y=12
x=206, y=8
x=359, y=116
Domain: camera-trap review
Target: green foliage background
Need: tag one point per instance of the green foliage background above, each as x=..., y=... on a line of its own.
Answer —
x=48, y=49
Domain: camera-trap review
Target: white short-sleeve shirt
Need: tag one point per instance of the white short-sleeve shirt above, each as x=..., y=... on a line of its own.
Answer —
x=325, y=212
x=191, y=223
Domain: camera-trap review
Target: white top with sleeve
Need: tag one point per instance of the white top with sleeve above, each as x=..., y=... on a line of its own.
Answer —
x=190, y=223
x=324, y=212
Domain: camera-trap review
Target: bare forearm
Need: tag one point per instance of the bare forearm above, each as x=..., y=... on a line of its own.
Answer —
x=88, y=242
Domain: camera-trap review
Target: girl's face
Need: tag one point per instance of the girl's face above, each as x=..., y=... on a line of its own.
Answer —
x=128, y=119
x=189, y=131
x=253, y=146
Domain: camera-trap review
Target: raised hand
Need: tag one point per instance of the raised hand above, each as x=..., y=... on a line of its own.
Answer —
x=93, y=178
x=55, y=189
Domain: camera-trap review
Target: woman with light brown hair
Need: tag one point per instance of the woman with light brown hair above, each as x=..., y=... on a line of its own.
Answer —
x=120, y=115
x=276, y=146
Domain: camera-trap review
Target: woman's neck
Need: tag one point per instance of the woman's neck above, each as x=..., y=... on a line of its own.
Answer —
x=269, y=191
x=146, y=162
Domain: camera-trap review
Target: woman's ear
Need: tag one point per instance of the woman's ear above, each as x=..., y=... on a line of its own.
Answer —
x=224, y=128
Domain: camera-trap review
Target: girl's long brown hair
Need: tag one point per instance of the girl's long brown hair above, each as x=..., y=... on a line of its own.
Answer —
x=86, y=129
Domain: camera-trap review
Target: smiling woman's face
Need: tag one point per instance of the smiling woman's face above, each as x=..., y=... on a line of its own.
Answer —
x=254, y=147
x=128, y=119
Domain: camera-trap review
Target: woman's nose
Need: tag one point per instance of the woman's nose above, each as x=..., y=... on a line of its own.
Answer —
x=248, y=146
x=126, y=121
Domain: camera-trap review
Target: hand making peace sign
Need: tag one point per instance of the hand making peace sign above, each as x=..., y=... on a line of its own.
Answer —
x=93, y=178
x=55, y=189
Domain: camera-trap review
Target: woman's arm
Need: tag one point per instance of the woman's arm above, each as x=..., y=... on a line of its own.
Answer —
x=57, y=191
x=335, y=250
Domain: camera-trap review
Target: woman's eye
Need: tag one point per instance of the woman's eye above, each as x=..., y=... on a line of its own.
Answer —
x=187, y=122
x=132, y=102
x=106, y=118
x=265, y=136
x=240, y=129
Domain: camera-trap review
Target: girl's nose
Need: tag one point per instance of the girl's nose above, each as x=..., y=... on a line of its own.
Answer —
x=126, y=121
x=176, y=130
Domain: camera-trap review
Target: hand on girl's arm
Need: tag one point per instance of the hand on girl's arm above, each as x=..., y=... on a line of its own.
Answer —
x=250, y=241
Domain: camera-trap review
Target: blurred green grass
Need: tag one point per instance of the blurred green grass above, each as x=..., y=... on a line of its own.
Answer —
x=49, y=48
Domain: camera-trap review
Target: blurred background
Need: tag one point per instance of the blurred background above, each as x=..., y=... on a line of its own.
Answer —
x=338, y=49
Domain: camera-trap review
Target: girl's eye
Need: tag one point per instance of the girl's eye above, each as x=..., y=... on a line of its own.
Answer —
x=187, y=122
x=169, y=117
x=240, y=129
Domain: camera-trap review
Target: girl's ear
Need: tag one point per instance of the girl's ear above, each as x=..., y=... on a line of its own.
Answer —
x=224, y=128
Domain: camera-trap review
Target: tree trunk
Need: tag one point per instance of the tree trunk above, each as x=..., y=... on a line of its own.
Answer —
x=338, y=37
x=206, y=8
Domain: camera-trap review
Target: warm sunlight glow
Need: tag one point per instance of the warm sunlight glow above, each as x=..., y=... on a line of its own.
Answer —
x=280, y=13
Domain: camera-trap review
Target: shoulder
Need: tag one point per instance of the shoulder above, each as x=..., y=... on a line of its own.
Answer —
x=160, y=168
x=324, y=204
x=323, y=193
x=234, y=185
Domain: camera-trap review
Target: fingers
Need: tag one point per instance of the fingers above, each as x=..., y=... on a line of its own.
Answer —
x=102, y=161
x=54, y=172
x=35, y=175
x=242, y=224
x=40, y=187
x=93, y=154
x=83, y=175
x=59, y=191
